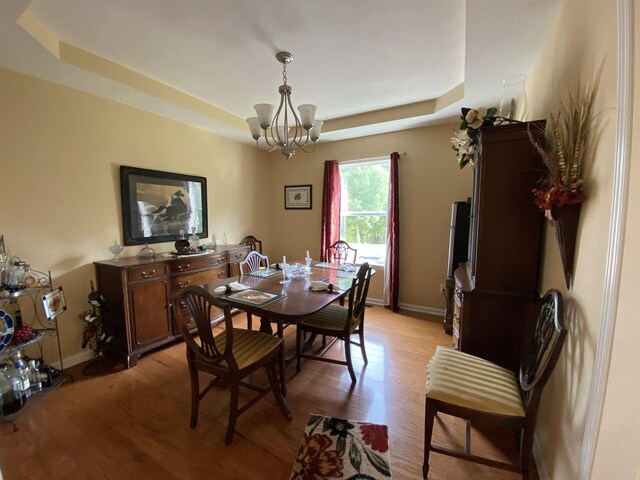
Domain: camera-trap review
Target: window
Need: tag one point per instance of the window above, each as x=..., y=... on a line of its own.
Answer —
x=363, y=209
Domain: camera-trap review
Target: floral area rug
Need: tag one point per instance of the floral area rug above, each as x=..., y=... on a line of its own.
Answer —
x=338, y=448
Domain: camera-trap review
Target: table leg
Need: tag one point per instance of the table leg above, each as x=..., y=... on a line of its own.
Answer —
x=265, y=326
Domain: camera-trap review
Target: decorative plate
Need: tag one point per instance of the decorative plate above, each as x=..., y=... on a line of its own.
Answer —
x=6, y=329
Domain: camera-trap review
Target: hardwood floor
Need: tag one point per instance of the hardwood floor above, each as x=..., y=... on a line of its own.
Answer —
x=134, y=424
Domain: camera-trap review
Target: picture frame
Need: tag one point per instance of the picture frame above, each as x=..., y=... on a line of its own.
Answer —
x=297, y=197
x=157, y=206
x=54, y=304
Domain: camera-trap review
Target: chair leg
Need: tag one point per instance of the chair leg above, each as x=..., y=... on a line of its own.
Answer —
x=298, y=347
x=361, y=334
x=347, y=351
x=526, y=454
x=249, y=321
x=273, y=381
x=283, y=379
x=429, y=417
x=234, y=386
x=195, y=395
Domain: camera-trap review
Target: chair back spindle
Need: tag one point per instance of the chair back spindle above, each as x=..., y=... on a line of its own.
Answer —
x=252, y=242
x=358, y=292
x=253, y=261
x=341, y=252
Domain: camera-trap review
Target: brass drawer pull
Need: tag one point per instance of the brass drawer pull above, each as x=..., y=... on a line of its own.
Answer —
x=221, y=274
x=182, y=268
x=185, y=284
x=144, y=274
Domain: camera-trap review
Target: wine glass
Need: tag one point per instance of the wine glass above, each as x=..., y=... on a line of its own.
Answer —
x=116, y=249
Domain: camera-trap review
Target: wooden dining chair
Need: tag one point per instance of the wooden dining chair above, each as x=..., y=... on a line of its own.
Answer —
x=341, y=252
x=339, y=322
x=229, y=356
x=484, y=393
x=253, y=242
x=253, y=261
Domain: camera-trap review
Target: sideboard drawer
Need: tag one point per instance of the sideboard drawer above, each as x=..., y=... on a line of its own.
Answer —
x=197, y=263
x=179, y=282
x=238, y=255
x=147, y=272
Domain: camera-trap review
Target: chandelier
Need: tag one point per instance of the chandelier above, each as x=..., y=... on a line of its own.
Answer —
x=285, y=129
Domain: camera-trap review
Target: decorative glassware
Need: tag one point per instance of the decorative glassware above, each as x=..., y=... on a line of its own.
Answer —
x=194, y=239
x=285, y=271
x=513, y=105
x=12, y=394
x=116, y=249
x=297, y=271
x=147, y=251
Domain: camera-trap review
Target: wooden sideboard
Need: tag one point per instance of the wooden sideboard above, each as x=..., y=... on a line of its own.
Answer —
x=137, y=291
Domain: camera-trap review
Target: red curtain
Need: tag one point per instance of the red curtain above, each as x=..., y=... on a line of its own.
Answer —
x=391, y=271
x=330, y=207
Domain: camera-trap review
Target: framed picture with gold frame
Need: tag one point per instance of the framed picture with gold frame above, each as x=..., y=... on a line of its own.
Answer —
x=297, y=197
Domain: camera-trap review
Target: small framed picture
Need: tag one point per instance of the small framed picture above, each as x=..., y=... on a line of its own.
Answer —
x=54, y=304
x=297, y=197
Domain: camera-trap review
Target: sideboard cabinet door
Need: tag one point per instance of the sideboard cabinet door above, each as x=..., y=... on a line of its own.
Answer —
x=150, y=313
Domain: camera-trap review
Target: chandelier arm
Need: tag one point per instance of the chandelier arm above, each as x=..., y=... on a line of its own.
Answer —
x=268, y=150
x=300, y=143
x=297, y=127
x=266, y=138
x=313, y=147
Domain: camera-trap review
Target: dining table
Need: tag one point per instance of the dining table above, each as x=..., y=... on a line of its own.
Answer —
x=282, y=301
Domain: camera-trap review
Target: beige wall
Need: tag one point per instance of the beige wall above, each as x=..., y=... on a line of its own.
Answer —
x=429, y=180
x=60, y=151
x=60, y=201
x=585, y=34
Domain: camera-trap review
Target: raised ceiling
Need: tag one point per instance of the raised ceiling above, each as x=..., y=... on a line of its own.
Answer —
x=371, y=66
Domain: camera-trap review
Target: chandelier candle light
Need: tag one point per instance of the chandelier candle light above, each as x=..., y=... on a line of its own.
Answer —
x=285, y=129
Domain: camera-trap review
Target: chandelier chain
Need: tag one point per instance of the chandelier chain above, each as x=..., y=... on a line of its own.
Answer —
x=284, y=72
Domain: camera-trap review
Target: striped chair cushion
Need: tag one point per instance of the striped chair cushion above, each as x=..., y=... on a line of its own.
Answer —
x=249, y=346
x=467, y=381
x=332, y=317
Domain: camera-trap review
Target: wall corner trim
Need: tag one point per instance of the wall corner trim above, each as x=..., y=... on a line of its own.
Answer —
x=616, y=237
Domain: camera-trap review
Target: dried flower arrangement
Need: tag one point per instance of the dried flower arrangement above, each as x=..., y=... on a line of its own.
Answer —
x=566, y=137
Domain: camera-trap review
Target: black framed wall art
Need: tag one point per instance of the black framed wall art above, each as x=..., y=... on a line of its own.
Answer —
x=157, y=206
x=297, y=197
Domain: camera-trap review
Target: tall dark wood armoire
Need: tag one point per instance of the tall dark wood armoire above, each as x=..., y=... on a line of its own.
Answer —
x=495, y=289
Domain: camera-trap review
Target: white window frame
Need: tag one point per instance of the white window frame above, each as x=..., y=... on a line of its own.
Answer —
x=364, y=162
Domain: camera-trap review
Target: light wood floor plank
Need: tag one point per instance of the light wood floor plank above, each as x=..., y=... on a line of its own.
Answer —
x=134, y=424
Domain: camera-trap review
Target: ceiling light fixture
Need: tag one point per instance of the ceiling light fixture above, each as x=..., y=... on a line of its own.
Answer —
x=285, y=129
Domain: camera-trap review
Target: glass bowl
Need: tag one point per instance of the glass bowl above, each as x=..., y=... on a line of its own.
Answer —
x=296, y=271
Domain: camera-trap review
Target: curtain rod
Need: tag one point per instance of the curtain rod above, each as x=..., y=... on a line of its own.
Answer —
x=358, y=160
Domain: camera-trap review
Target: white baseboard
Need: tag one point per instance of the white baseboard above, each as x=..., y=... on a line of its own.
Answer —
x=75, y=359
x=412, y=308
